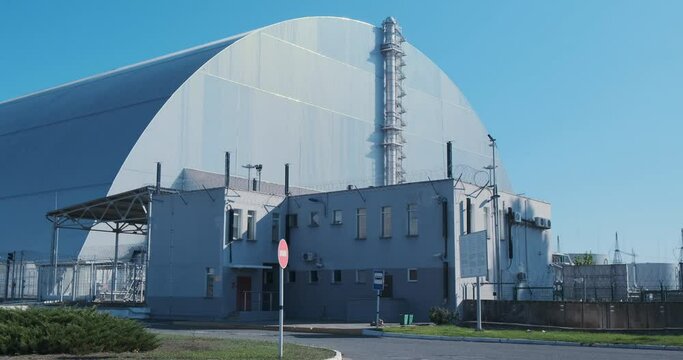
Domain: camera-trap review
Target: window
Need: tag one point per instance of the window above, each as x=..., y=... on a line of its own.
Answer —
x=275, y=227
x=251, y=225
x=236, y=224
x=267, y=277
x=336, y=276
x=292, y=220
x=337, y=217
x=361, y=223
x=313, y=276
x=412, y=220
x=314, y=219
x=386, y=221
x=210, y=278
x=291, y=276
x=361, y=276
x=412, y=275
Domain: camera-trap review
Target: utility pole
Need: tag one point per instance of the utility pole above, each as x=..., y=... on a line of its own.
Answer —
x=494, y=198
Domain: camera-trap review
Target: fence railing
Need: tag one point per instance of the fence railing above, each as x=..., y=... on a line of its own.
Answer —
x=18, y=281
x=92, y=282
x=258, y=301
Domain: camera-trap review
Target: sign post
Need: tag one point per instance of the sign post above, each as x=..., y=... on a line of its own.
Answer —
x=283, y=259
x=479, y=305
x=378, y=285
x=474, y=262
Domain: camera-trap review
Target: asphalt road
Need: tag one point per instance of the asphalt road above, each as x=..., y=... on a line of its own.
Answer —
x=357, y=348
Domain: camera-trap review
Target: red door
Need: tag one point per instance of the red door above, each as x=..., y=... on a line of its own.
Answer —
x=244, y=293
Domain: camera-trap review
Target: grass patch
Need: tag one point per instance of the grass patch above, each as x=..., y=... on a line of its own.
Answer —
x=570, y=336
x=70, y=331
x=189, y=347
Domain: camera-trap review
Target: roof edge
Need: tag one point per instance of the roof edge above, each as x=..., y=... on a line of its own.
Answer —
x=127, y=68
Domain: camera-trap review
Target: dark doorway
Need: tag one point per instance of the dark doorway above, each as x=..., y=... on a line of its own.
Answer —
x=271, y=287
x=244, y=293
x=388, y=286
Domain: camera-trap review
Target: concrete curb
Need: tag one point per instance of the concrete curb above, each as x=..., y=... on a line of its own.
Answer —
x=288, y=328
x=337, y=355
x=376, y=333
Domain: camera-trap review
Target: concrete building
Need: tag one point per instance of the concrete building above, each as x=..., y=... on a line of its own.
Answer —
x=336, y=240
x=269, y=96
x=344, y=102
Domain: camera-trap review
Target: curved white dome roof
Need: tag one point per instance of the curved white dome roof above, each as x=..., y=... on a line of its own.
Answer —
x=308, y=92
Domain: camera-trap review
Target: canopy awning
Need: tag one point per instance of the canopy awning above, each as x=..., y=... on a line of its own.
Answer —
x=125, y=212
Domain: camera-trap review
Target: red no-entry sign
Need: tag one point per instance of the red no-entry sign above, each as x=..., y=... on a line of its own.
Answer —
x=282, y=253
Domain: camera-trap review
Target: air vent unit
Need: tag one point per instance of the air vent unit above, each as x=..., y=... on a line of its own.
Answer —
x=517, y=217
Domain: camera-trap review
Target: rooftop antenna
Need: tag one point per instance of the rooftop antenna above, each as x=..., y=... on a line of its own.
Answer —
x=617, y=252
x=248, y=167
x=259, y=167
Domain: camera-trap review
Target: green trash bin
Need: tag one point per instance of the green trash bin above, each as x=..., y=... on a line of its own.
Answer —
x=404, y=318
x=410, y=319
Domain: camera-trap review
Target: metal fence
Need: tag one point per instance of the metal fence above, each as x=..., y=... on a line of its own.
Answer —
x=18, y=280
x=575, y=291
x=509, y=291
x=92, y=282
x=583, y=315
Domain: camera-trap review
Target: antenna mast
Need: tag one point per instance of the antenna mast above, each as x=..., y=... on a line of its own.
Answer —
x=617, y=253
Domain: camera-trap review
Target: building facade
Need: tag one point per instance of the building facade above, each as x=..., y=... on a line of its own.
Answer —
x=336, y=239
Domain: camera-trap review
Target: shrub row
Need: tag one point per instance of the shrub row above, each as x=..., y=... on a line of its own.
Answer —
x=441, y=315
x=70, y=331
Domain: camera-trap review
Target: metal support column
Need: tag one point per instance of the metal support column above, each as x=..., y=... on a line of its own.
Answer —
x=55, y=253
x=74, y=281
x=115, y=267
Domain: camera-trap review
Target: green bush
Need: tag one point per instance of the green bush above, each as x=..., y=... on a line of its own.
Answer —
x=441, y=315
x=70, y=331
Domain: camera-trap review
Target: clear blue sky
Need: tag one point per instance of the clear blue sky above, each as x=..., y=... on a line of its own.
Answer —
x=584, y=97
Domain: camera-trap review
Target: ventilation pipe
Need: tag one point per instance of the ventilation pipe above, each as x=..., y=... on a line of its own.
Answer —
x=227, y=172
x=449, y=159
x=286, y=179
x=157, y=188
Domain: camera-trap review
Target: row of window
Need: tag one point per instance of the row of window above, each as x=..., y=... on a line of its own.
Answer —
x=236, y=230
x=314, y=221
x=237, y=224
x=362, y=222
x=361, y=276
